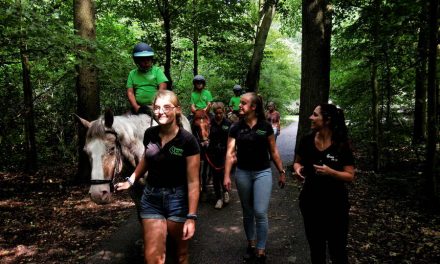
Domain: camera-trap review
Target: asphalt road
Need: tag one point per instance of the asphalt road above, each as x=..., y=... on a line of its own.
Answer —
x=219, y=234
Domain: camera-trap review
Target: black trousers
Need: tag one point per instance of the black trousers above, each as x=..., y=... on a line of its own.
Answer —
x=326, y=224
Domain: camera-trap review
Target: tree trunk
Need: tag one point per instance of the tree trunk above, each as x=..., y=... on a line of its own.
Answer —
x=375, y=106
x=29, y=124
x=389, y=89
x=195, y=39
x=253, y=76
x=315, y=59
x=168, y=42
x=86, y=83
x=419, y=131
x=375, y=145
x=431, y=173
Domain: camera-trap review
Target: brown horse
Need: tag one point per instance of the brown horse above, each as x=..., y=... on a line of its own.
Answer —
x=201, y=126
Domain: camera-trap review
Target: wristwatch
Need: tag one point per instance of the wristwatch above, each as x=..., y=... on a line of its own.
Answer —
x=282, y=172
x=191, y=216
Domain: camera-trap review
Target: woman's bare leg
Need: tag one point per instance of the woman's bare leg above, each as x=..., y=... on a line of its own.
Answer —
x=175, y=231
x=155, y=234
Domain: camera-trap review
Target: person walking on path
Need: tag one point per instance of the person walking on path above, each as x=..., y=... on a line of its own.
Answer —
x=324, y=161
x=217, y=151
x=273, y=117
x=170, y=198
x=253, y=141
x=145, y=81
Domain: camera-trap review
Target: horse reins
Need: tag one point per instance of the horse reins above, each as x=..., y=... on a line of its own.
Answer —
x=116, y=173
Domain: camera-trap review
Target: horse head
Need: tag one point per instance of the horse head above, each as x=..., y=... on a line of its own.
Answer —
x=103, y=147
x=111, y=140
x=201, y=124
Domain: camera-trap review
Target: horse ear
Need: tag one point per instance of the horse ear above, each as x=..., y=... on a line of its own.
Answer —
x=84, y=122
x=108, y=118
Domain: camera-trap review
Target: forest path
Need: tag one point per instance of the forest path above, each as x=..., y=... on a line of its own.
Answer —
x=219, y=234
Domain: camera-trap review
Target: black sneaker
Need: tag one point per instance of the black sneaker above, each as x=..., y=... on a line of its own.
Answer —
x=250, y=254
x=260, y=259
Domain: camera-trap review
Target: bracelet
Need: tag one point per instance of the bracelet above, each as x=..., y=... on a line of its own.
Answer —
x=282, y=172
x=129, y=181
x=191, y=216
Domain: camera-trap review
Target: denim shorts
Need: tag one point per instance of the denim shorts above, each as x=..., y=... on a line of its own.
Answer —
x=165, y=203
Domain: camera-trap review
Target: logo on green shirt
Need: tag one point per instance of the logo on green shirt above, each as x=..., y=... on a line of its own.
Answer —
x=260, y=132
x=225, y=127
x=176, y=151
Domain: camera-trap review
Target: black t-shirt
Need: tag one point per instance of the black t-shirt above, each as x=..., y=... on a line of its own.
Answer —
x=218, y=138
x=252, y=144
x=167, y=165
x=336, y=157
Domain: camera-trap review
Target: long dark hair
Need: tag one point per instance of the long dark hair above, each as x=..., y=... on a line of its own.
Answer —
x=335, y=120
x=257, y=100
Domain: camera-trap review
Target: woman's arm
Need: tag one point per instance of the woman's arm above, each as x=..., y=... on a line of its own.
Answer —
x=230, y=160
x=192, y=172
x=140, y=170
x=347, y=173
x=297, y=168
x=277, y=160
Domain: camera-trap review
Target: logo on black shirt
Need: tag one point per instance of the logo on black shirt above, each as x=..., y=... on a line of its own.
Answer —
x=260, y=132
x=176, y=151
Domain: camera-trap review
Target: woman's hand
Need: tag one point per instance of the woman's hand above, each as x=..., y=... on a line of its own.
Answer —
x=188, y=229
x=298, y=168
x=120, y=186
x=282, y=179
x=227, y=183
x=322, y=169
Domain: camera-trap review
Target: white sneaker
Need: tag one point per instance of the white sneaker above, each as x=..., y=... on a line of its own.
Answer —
x=219, y=204
x=226, y=197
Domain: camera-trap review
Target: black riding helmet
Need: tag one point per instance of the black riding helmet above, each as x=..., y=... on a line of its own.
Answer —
x=237, y=88
x=142, y=50
x=199, y=78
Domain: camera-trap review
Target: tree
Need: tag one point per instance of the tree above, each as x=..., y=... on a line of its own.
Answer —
x=315, y=60
x=267, y=14
x=431, y=173
x=419, y=130
x=86, y=85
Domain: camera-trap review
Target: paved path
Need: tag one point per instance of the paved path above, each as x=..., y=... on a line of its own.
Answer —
x=220, y=236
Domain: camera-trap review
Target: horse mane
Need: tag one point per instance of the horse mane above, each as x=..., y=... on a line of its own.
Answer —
x=122, y=125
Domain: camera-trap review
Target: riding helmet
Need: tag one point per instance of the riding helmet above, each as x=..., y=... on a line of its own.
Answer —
x=236, y=88
x=142, y=50
x=199, y=78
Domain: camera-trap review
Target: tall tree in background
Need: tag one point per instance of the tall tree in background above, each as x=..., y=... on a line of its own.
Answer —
x=315, y=59
x=86, y=85
x=267, y=14
x=29, y=122
x=419, y=130
x=375, y=89
x=431, y=173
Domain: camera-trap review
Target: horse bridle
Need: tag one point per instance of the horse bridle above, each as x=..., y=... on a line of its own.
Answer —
x=116, y=173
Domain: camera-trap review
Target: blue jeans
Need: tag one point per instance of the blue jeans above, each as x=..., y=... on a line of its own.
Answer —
x=254, y=189
x=165, y=203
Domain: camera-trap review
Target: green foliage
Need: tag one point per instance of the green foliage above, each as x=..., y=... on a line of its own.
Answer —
x=44, y=29
x=280, y=75
x=357, y=40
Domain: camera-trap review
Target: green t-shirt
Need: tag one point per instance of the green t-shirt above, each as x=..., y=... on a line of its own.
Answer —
x=234, y=102
x=201, y=99
x=145, y=84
